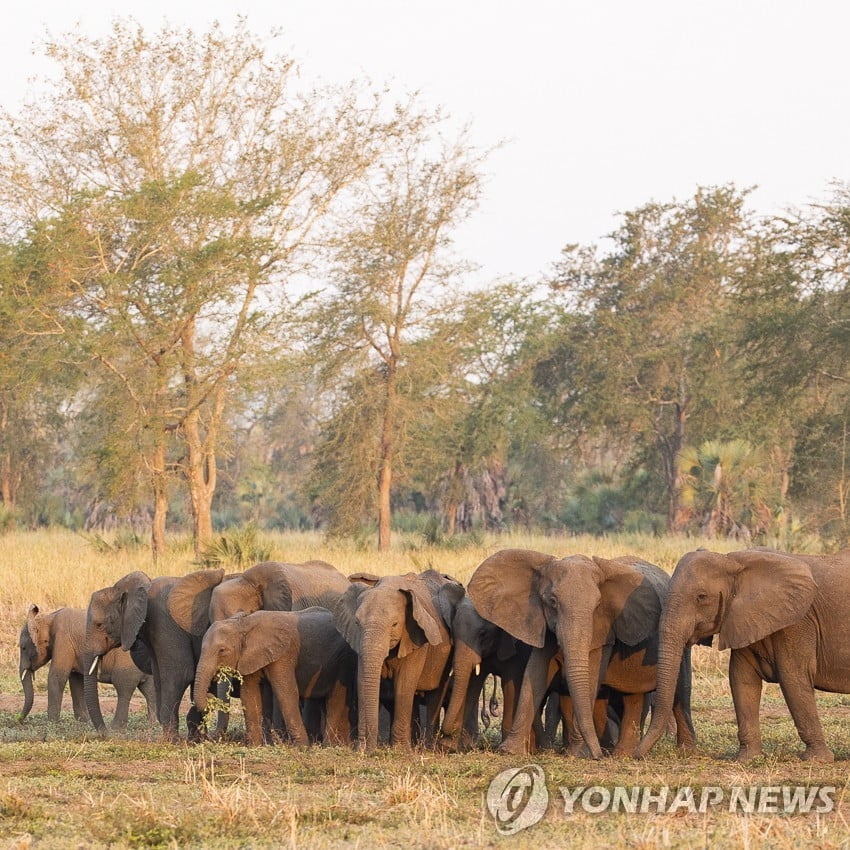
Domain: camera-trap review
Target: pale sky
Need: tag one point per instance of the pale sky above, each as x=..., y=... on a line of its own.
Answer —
x=603, y=106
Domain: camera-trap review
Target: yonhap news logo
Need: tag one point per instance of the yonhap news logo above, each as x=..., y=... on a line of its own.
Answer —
x=518, y=798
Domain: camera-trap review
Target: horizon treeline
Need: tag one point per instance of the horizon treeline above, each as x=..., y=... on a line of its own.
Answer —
x=228, y=298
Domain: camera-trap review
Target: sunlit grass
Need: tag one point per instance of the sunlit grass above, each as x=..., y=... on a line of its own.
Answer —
x=62, y=786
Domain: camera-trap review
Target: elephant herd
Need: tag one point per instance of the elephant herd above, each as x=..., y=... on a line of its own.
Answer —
x=319, y=656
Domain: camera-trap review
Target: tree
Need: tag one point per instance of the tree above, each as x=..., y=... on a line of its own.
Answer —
x=393, y=280
x=179, y=183
x=652, y=355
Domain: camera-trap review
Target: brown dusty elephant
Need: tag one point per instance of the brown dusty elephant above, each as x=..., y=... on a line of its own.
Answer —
x=267, y=586
x=135, y=614
x=300, y=653
x=784, y=617
x=59, y=638
x=593, y=608
x=398, y=628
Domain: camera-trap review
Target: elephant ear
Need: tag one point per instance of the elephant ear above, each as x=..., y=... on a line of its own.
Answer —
x=273, y=584
x=504, y=591
x=631, y=600
x=364, y=578
x=32, y=624
x=189, y=600
x=262, y=645
x=449, y=596
x=423, y=620
x=132, y=600
x=344, y=611
x=770, y=590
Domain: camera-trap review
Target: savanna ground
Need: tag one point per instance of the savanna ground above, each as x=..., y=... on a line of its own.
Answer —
x=63, y=786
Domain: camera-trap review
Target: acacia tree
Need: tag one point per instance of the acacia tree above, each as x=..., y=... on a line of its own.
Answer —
x=393, y=280
x=179, y=182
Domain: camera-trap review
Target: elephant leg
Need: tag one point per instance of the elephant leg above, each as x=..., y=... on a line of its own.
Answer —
x=531, y=694
x=510, y=693
x=78, y=700
x=122, y=707
x=405, y=683
x=285, y=688
x=600, y=715
x=313, y=716
x=252, y=707
x=746, y=685
x=337, y=718
x=629, y=725
x=551, y=720
x=148, y=691
x=796, y=680
x=56, y=681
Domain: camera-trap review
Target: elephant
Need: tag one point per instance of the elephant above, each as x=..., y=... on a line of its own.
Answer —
x=480, y=648
x=300, y=653
x=398, y=628
x=269, y=586
x=58, y=638
x=783, y=616
x=592, y=608
x=135, y=614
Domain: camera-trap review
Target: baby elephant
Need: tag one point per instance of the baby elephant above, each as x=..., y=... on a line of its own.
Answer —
x=58, y=638
x=300, y=654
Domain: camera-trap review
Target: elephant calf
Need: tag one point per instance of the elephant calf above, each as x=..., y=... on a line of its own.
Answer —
x=300, y=654
x=59, y=638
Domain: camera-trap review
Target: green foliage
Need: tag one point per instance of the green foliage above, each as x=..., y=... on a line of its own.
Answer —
x=239, y=548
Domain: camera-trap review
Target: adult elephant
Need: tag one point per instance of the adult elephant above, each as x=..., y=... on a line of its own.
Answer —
x=267, y=586
x=480, y=648
x=398, y=628
x=784, y=616
x=592, y=607
x=135, y=614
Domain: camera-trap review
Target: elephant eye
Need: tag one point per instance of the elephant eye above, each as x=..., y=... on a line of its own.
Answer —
x=702, y=596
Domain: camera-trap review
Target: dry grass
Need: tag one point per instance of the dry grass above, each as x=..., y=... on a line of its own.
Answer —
x=62, y=786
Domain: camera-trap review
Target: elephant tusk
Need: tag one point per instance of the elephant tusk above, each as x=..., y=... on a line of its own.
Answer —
x=24, y=675
x=477, y=669
x=94, y=665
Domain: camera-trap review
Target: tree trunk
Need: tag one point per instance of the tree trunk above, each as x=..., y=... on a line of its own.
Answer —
x=385, y=470
x=160, y=500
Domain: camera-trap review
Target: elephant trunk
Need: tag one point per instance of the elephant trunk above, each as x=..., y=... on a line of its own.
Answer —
x=29, y=691
x=369, y=664
x=91, y=663
x=575, y=645
x=203, y=678
x=671, y=646
x=463, y=666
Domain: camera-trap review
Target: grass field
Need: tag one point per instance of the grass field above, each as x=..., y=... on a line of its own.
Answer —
x=62, y=786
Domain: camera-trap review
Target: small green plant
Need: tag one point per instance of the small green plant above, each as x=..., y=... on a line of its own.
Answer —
x=239, y=548
x=216, y=704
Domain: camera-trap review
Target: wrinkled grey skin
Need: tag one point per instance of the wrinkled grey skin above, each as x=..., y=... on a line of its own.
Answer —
x=134, y=614
x=58, y=638
x=480, y=648
x=398, y=628
x=300, y=653
x=267, y=586
x=589, y=606
x=784, y=617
